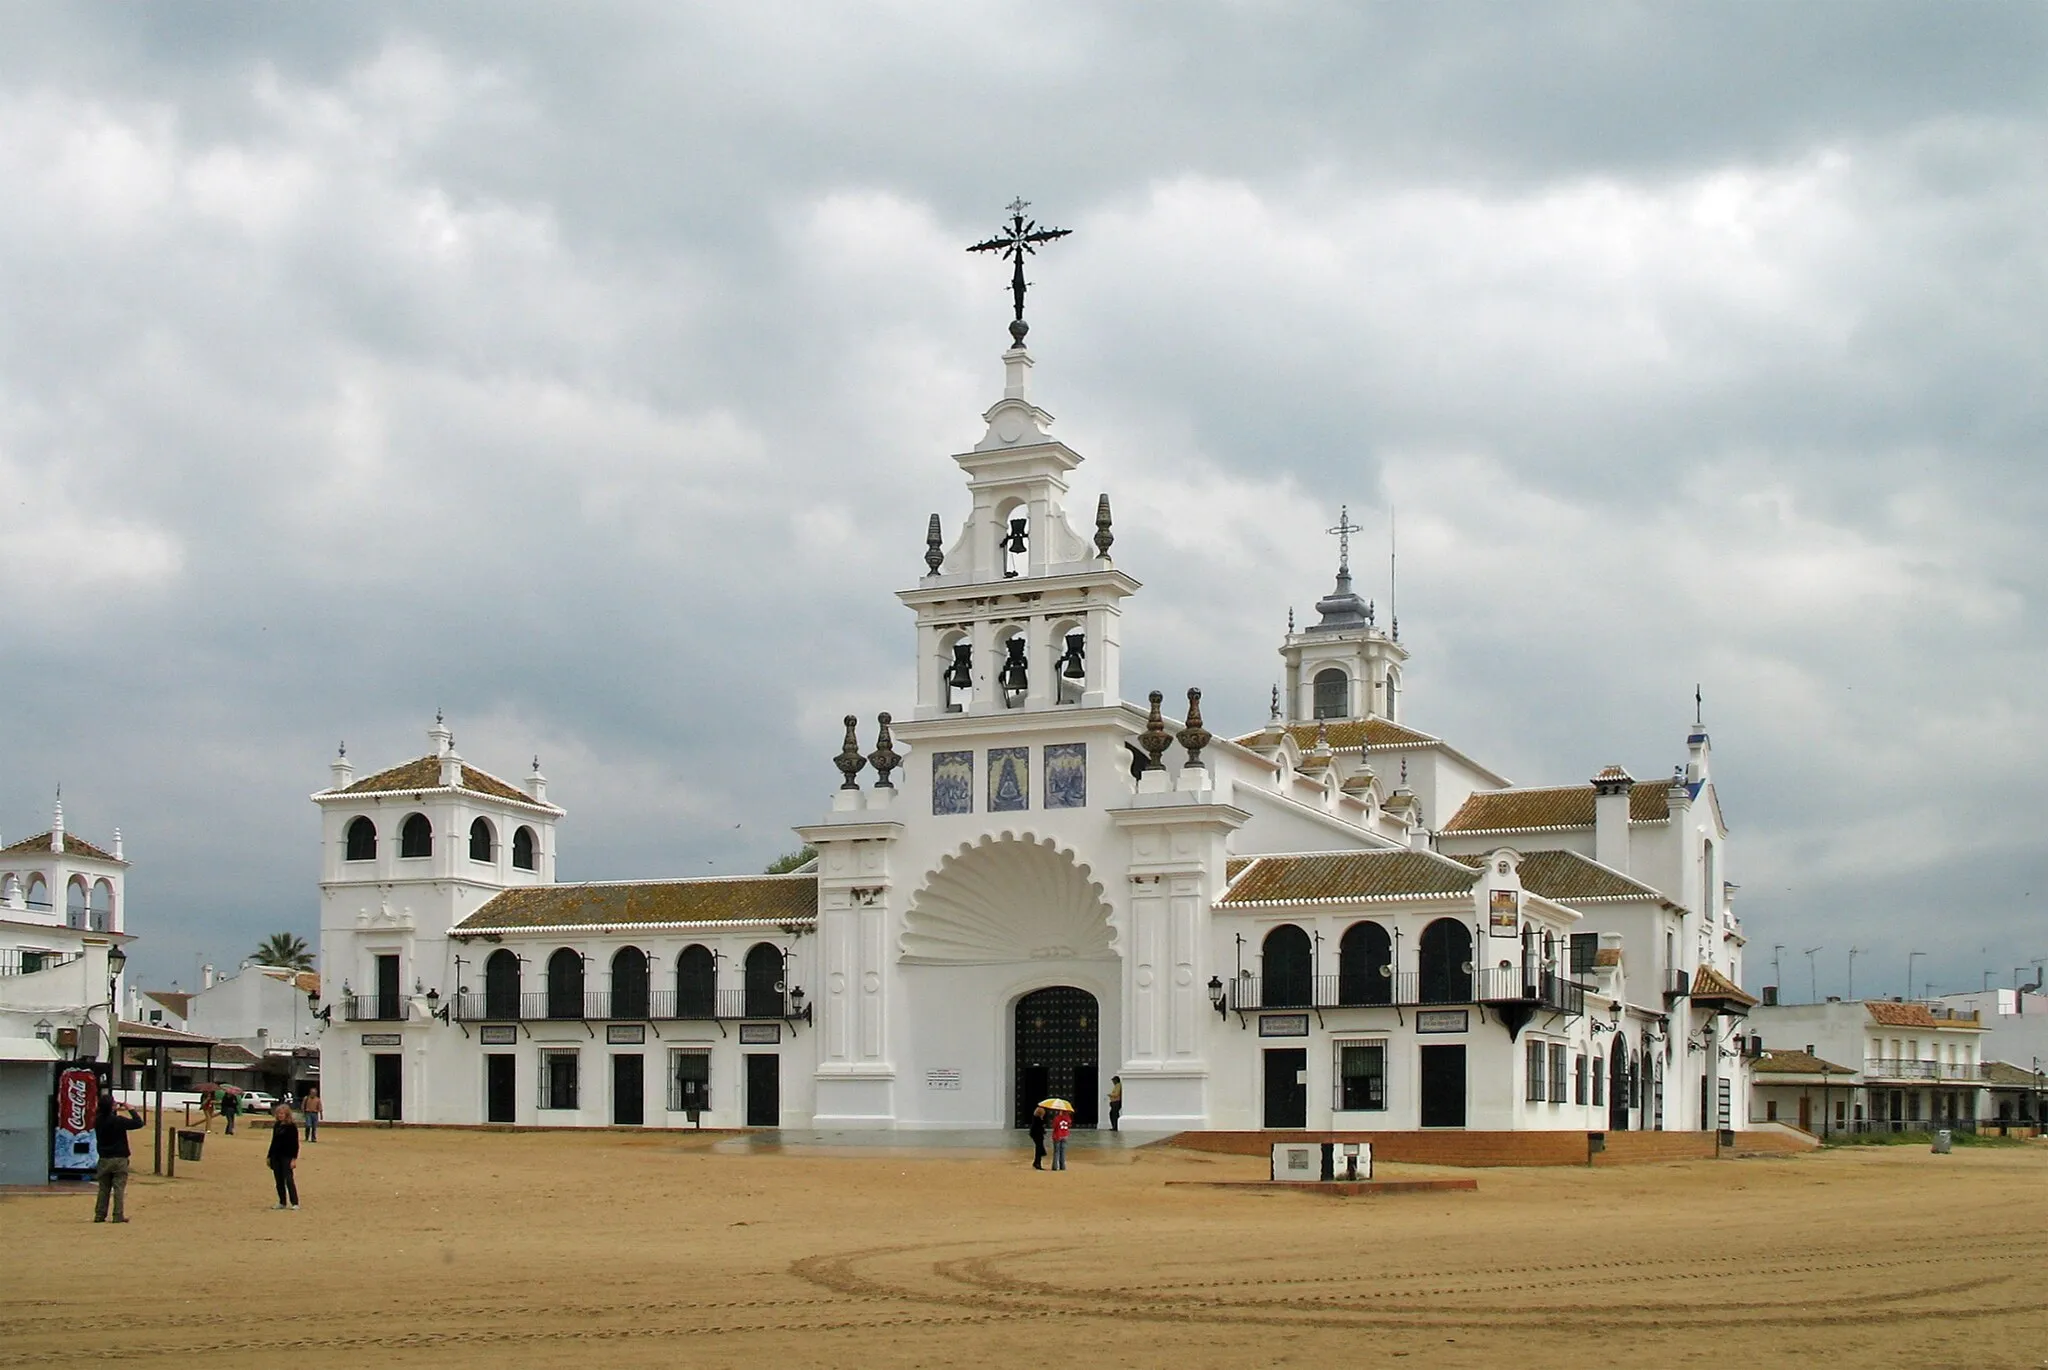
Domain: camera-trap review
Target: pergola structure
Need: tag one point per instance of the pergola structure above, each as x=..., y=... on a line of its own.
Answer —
x=155, y=1045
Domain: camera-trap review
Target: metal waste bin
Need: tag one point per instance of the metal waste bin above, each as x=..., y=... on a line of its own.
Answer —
x=190, y=1143
x=1942, y=1140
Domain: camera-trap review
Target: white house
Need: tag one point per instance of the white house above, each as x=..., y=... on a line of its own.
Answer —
x=62, y=912
x=1337, y=921
x=1904, y=1066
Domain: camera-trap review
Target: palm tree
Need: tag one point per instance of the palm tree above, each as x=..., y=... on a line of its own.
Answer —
x=284, y=949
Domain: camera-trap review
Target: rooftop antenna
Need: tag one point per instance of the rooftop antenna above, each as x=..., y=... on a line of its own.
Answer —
x=1909, y=971
x=1854, y=952
x=1812, y=975
x=1393, y=547
x=1777, y=965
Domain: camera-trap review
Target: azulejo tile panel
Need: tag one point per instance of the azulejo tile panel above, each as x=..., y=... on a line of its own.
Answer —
x=1009, y=779
x=1066, y=775
x=952, y=782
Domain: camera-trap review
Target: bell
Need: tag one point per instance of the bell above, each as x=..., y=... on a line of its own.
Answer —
x=1013, y=543
x=1072, y=662
x=1015, y=674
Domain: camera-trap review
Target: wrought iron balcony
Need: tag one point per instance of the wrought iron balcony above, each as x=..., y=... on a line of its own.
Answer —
x=625, y=1006
x=1408, y=989
x=376, y=1008
x=1875, y=1068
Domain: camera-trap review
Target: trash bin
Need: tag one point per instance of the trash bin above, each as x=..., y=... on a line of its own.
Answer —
x=1942, y=1139
x=190, y=1143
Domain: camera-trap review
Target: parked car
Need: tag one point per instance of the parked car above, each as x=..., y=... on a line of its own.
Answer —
x=256, y=1101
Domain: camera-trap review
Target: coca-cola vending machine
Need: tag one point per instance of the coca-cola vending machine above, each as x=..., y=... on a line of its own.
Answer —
x=77, y=1148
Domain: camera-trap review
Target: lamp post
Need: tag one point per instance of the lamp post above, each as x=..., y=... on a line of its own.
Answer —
x=117, y=961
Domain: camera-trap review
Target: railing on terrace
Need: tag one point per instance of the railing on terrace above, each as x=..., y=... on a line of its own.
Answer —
x=15, y=961
x=1407, y=989
x=662, y=1005
x=1892, y=1069
x=373, y=1008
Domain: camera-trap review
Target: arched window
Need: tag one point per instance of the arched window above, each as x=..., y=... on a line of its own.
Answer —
x=361, y=842
x=74, y=903
x=1333, y=694
x=483, y=842
x=1365, y=965
x=1286, y=961
x=1445, y=963
x=416, y=837
x=523, y=849
x=629, y=983
x=38, y=892
x=696, y=983
x=501, y=985
x=565, y=984
x=100, y=906
x=764, y=982
x=1389, y=694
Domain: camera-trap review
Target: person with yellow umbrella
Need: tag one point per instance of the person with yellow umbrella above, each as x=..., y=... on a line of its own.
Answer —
x=1062, y=1126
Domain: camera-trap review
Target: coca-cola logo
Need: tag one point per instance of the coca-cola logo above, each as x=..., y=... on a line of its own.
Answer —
x=77, y=1093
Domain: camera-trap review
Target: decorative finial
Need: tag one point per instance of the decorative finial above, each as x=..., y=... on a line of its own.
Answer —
x=1343, y=531
x=1103, y=537
x=536, y=763
x=1194, y=736
x=1276, y=704
x=1699, y=707
x=1290, y=620
x=934, y=554
x=883, y=757
x=1155, y=739
x=850, y=761
x=1404, y=770
x=1322, y=735
x=342, y=750
x=437, y=718
x=1017, y=240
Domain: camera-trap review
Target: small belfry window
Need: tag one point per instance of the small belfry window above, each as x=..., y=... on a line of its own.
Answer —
x=360, y=844
x=482, y=843
x=523, y=849
x=1333, y=694
x=416, y=836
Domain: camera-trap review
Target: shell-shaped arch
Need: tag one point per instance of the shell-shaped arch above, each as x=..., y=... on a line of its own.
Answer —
x=1008, y=899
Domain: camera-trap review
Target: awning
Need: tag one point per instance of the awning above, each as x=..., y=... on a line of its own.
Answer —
x=27, y=1049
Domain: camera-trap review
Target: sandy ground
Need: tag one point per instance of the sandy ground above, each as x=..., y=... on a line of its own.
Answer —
x=466, y=1249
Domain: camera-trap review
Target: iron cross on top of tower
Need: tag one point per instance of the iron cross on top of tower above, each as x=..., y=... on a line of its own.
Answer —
x=1342, y=532
x=1016, y=241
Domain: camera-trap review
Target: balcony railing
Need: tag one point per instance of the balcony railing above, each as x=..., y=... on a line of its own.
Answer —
x=632, y=1006
x=1407, y=989
x=14, y=961
x=1875, y=1068
x=374, y=1008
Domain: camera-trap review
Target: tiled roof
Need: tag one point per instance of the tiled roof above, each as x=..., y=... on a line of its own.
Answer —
x=1234, y=867
x=2000, y=1073
x=1566, y=875
x=1892, y=1014
x=770, y=898
x=1343, y=733
x=424, y=773
x=1708, y=983
x=1782, y=1062
x=1341, y=876
x=74, y=845
x=176, y=1001
x=1560, y=806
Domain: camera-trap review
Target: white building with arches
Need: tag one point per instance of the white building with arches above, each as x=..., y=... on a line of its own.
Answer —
x=62, y=910
x=1338, y=921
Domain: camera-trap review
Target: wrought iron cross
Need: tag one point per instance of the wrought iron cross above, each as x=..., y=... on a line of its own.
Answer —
x=1343, y=531
x=1020, y=239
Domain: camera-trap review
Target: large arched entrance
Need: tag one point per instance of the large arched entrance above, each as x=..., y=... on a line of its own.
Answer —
x=1057, y=1035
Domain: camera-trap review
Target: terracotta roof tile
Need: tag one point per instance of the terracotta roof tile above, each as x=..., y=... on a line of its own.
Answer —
x=1560, y=806
x=1340, y=876
x=1348, y=733
x=1566, y=875
x=424, y=773
x=1708, y=983
x=1916, y=1015
x=782, y=898
x=74, y=845
x=2002, y=1073
x=1782, y=1062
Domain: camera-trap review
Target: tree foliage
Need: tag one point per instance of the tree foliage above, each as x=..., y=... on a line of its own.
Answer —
x=789, y=861
x=284, y=949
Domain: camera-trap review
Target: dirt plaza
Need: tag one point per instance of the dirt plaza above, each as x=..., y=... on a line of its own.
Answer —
x=577, y=1248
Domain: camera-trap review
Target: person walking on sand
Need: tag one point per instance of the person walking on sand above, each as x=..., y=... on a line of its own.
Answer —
x=1061, y=1126
x=1116, y=1100
x=284, y=1157
x=309, y=1109
x=1038, y=1139
x=206, y=1098
x=111, y=1130
x=230, y=1106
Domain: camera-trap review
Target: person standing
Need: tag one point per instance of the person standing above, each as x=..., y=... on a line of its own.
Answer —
x=1062, y=1124
x=230, y=1106
x=284, y=1156
x=111, y=1130
x=309, y=1109
x=1116, y=1100
x=1038, y=1139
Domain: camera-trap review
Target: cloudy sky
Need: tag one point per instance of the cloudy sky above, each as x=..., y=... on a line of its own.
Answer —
x=589, y=371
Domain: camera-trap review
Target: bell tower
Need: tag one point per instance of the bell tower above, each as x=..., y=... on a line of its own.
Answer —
x=1343, y=667
x=1022, y=613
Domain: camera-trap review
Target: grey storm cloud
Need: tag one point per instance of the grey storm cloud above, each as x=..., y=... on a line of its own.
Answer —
x=588, y=372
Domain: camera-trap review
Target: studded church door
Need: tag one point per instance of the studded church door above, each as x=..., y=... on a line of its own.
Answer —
x=1058, y=1044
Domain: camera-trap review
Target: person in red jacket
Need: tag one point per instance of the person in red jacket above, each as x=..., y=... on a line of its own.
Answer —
x=1062, y=1125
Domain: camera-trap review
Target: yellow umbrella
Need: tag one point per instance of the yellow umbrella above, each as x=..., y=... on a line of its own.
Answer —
x=1056, y=1105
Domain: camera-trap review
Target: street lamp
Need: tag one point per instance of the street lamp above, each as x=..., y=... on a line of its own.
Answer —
x=1216, y=997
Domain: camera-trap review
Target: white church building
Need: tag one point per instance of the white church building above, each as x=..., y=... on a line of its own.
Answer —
x=1028, y=884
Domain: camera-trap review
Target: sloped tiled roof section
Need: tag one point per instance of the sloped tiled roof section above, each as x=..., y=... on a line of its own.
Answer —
x=1566, y=875
x=2006, y=1076
x=74, y=845
x=1783, y=1062
x=1915, y=1015
x=763, y=898
x=424, y=773
x=1343, y=733
x=174, y=1000
x=1338, y=876
x=1708, y=983
x=1560, y=806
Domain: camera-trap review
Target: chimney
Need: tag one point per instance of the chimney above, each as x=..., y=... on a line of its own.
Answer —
x=344, y=773
x=537, y=784
x=206, y=977
x=439, y=737
x=57, y=823
x=117, y=846
x=1610, y=817
x=451, y=766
